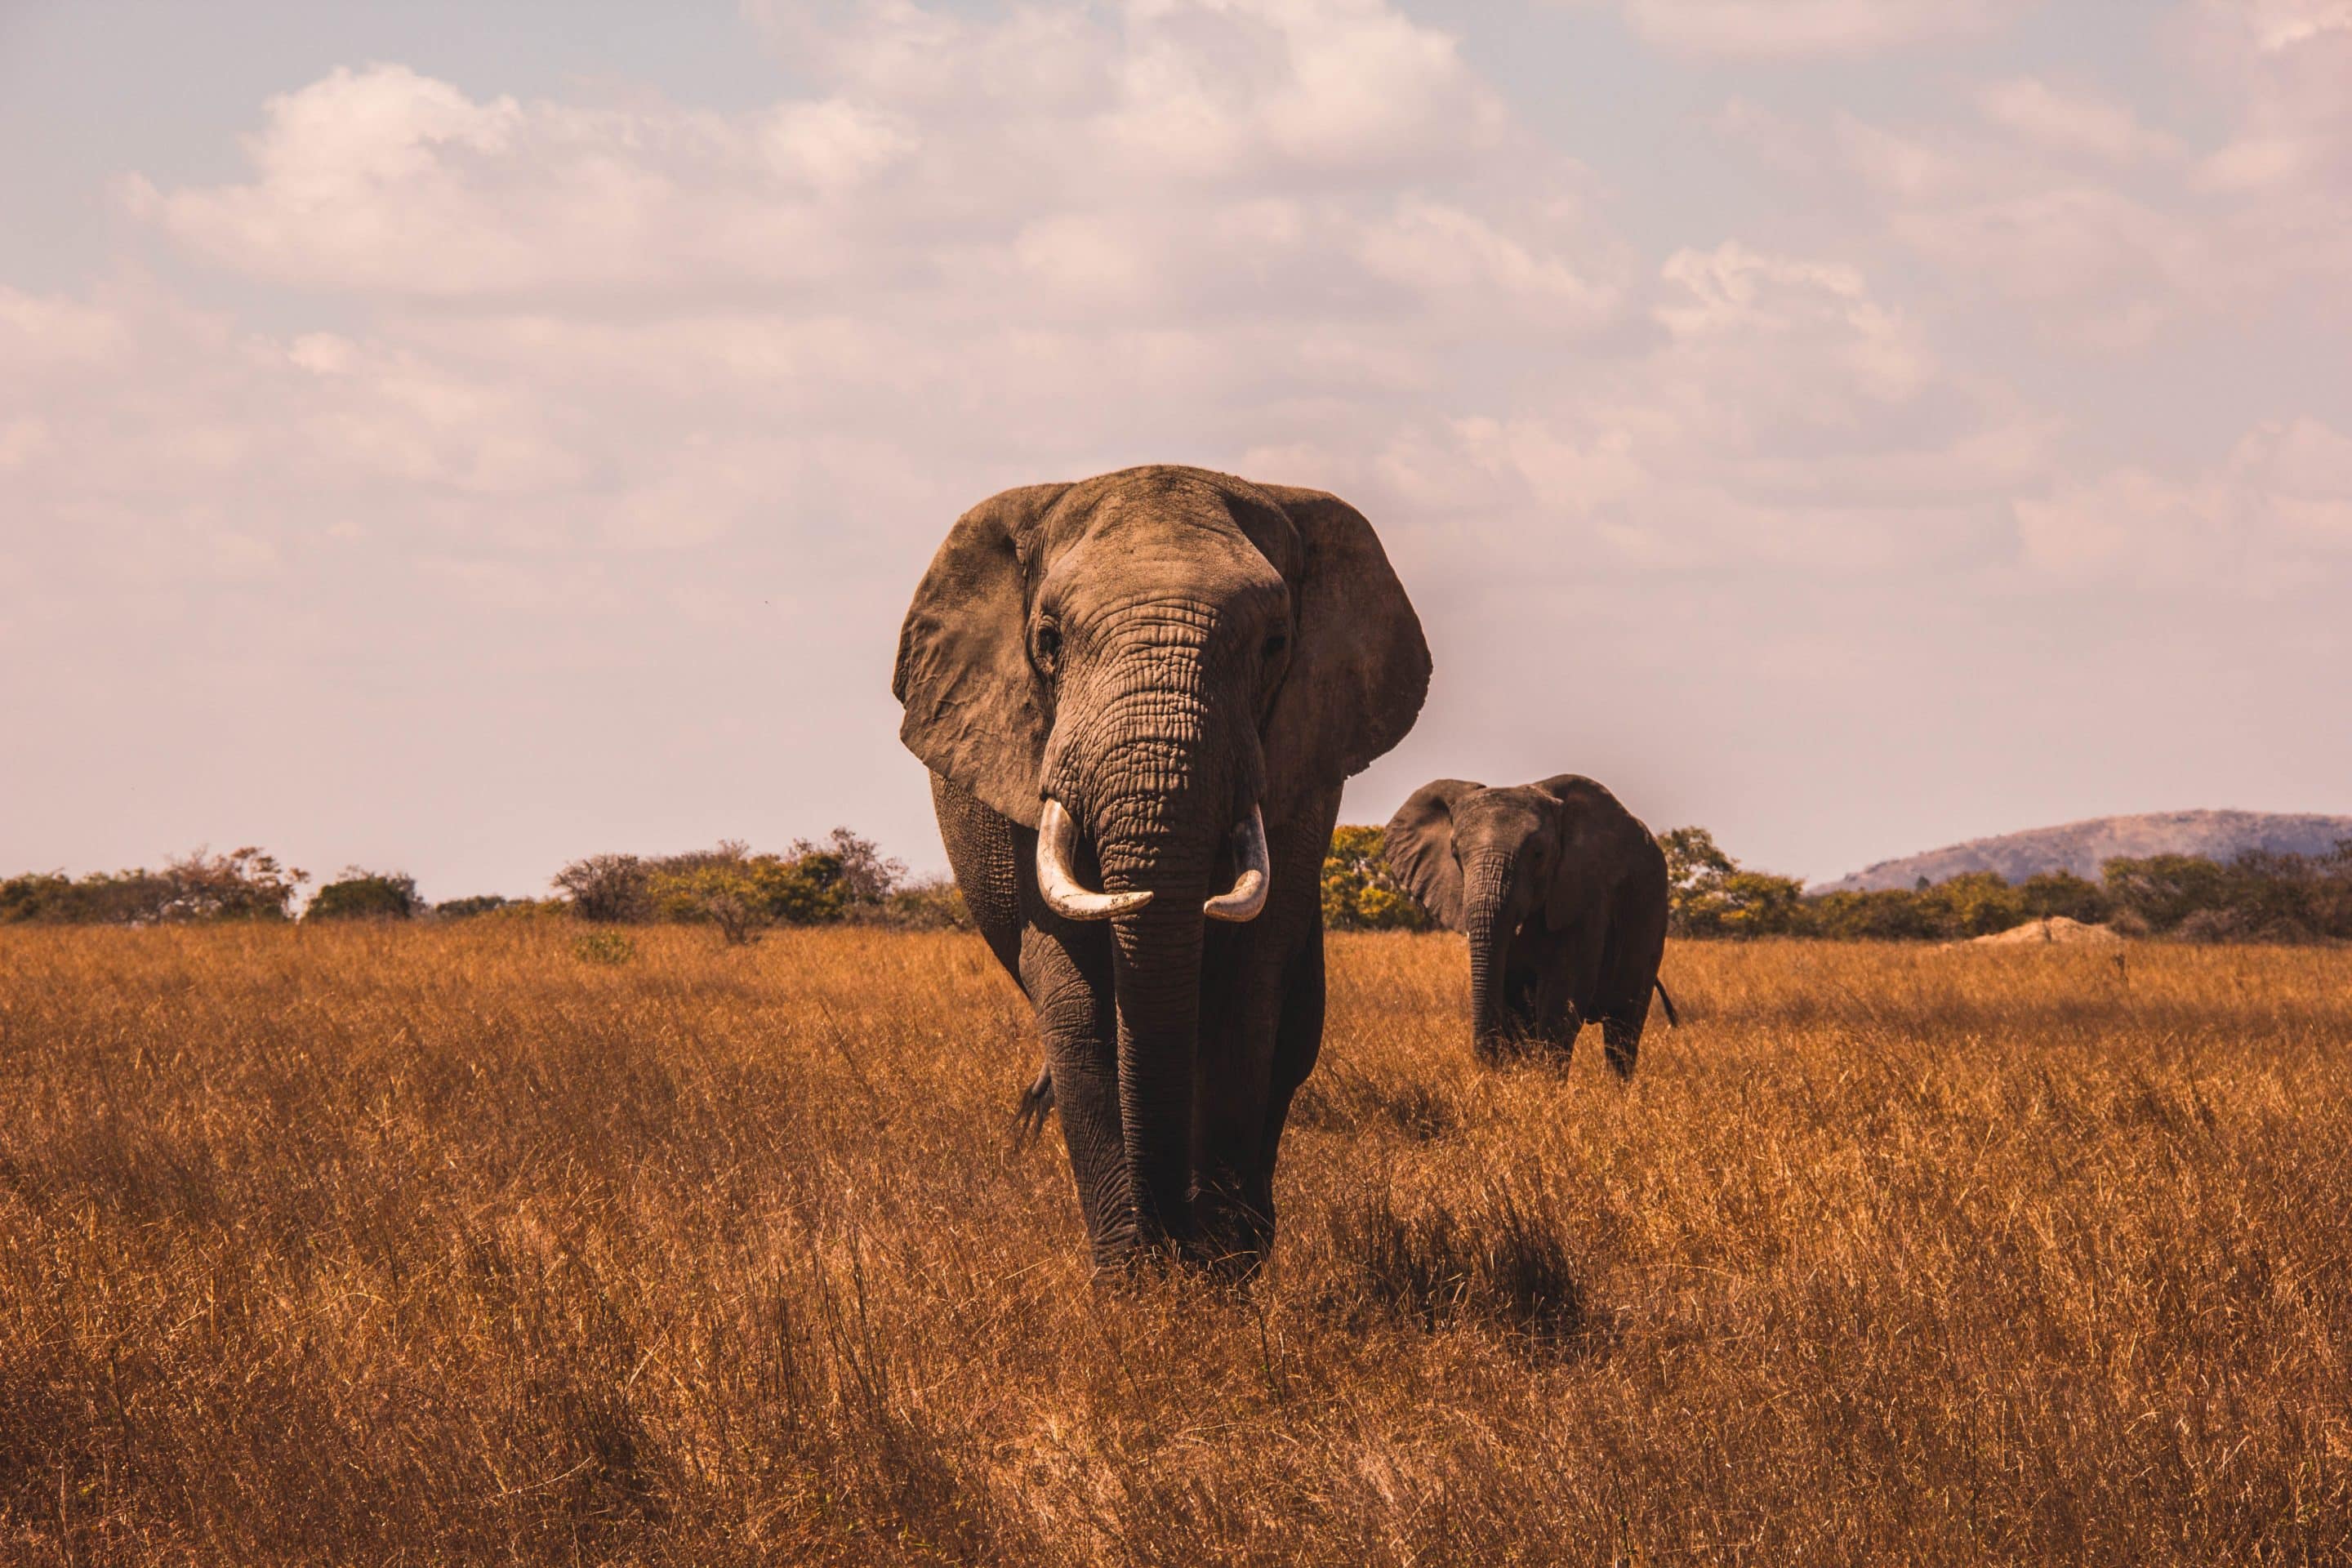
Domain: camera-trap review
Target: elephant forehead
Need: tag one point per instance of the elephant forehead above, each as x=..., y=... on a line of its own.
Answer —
x=1498, y=813
x=1179, y=513
x=1220, y=574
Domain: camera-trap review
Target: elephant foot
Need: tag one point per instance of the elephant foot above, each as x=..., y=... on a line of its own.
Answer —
x=1622, y=1061
x=1227, y=1244
x=1231, y=1235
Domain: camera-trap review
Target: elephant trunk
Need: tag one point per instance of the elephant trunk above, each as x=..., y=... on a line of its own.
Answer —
x=1487, y=886
x=1167, y=796
x=1156, y=974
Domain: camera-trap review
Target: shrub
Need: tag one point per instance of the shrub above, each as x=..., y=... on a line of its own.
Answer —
x=360, y=895
x=1358, y=893
x=604, y=947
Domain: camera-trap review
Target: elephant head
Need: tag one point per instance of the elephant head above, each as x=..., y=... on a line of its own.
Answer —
x=1150, y=668
x=1487, y=862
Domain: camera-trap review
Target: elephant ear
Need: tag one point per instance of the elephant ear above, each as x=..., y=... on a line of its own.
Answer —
x=1358, y=666
x=963, y=673
x=1419, y=842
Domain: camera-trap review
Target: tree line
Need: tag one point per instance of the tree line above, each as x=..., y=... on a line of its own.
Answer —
x=846, y=878
x=2257, y=897
x=840, y=879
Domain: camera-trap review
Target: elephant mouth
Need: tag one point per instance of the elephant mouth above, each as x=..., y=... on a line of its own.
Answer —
x=1057, y=837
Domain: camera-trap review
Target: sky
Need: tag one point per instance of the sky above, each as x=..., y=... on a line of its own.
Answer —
x=457, y=439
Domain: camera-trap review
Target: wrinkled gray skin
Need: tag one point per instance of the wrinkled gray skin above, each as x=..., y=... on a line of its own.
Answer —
x=1562, y=894
x=1158, y=650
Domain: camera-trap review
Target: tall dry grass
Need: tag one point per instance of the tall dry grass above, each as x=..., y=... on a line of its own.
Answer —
x=453, y=1246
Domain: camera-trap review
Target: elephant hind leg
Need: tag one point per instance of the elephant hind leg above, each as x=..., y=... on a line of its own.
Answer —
x=1620, y=1043
x=1637, y=939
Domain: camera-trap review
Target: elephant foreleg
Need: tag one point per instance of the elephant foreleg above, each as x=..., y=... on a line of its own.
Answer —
x=1067, y=971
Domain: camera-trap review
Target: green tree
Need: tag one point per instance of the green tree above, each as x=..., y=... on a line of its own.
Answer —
x=1358, y=893
x=1708, y=895
x=1693, y=860
x=607, y=888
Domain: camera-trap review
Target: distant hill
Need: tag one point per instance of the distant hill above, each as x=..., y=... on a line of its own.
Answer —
x=2082, y=847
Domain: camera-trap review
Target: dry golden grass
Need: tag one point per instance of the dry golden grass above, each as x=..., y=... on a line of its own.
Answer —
x=451, y=1245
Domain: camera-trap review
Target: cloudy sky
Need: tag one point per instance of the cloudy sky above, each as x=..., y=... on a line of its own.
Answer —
x=461, y=438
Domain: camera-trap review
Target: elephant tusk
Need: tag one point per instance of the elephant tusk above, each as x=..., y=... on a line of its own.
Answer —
x=1056, y=836
x=1247, y=899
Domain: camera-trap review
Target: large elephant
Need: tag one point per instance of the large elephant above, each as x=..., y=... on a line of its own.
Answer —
x=1562, y=894
x=1153, y=684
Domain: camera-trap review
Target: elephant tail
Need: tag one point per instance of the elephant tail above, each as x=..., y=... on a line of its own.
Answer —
x=1037, y=1104
x=1674, y=1019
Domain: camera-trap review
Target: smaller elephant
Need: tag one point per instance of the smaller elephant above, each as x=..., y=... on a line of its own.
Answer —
x=1562, y=894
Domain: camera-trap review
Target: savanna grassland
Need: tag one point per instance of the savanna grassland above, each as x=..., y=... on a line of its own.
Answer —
x=457, y=1244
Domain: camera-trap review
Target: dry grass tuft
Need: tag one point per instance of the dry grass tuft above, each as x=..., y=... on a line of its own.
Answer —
x=460, y=1244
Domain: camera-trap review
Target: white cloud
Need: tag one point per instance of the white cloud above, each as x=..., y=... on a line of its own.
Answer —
x=2070, y=122
x=1786, y=417
x=2277, y=25
x=2253, y=523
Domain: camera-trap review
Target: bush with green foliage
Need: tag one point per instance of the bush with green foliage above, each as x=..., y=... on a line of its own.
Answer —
x=743, y=894
x=1358, y=893
x=360, y=895
x=604, y=947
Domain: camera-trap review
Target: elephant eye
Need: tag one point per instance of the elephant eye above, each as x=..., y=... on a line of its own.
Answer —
x=1276, y=644
x=1049, y=643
